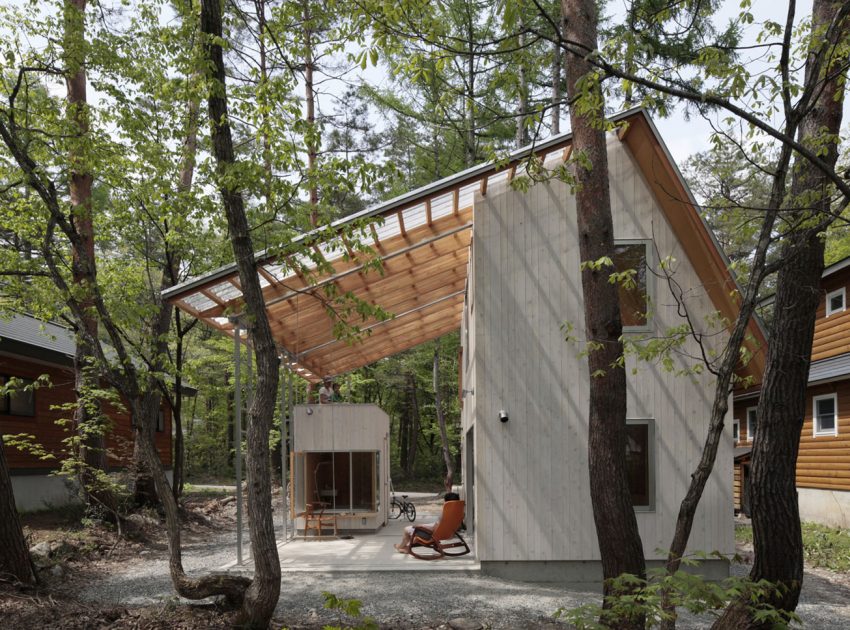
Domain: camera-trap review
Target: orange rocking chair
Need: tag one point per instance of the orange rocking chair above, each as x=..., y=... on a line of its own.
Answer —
x=444, y=537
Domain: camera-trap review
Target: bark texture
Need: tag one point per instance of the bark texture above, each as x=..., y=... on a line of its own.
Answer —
x=616, y=526
x=87, y=418
x=15, y=562
x=777, y=537
x=262, y=596
x=441, y=420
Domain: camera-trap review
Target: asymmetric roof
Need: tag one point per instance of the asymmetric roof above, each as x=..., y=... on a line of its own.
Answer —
x=422, y=240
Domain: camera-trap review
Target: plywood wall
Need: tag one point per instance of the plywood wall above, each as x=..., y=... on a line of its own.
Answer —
x=532, y=497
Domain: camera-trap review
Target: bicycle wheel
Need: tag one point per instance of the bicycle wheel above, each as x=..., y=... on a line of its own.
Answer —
x=395, y=509
x=410, y=511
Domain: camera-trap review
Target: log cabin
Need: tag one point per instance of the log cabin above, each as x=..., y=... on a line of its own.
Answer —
x=493, y=252
x=32, y=349
x=823, y=462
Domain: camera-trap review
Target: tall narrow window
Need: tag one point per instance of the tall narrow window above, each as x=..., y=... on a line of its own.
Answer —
x=635, y=291
x=160, y=422
x=736, y=430
x=640, y=463
x=836, y=301
x=751, y=423
x=825, y=415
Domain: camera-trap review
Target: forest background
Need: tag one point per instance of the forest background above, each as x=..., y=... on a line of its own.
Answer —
x=328, y=124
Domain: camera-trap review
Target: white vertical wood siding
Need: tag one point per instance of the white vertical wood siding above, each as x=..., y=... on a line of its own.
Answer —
x=532, y=489
x=346, y=427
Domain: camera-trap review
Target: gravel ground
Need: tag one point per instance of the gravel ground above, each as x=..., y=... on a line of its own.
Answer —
x=411, y=600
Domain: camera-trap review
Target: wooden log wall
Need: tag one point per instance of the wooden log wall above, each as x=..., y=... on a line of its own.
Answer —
x=43, y=425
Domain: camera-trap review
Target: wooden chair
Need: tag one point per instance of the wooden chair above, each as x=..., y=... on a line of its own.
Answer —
x=444, y=537
x=315, y=518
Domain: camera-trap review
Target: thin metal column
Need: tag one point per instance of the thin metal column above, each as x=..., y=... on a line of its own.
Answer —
x=237, y=436
x=283, y=422
x=290, y=434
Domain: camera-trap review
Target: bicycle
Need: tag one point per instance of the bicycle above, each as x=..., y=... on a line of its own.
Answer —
x=403, y=506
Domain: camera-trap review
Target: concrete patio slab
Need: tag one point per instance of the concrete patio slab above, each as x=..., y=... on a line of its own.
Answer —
x=366, y=551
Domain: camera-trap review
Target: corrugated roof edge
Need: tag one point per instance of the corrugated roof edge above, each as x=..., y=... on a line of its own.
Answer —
x=428, y=189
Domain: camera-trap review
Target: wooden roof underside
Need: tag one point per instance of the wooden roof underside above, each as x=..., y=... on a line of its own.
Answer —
x=423, y=248
x=422, y=240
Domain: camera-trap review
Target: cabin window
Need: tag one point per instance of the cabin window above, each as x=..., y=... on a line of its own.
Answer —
x=825, y=415
x=346, y=481
x=21, y=401
x=635, y=292
x=640, y=463
x=160, y=422
x=751, y=423
x=836, y=301
x=736, y=430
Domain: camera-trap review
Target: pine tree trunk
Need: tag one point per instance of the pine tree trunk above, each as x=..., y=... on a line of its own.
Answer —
x=262, y=596
x=441, y=420
x=616, y=526
x=15, y=562
x=87, y=418
x=777, y=536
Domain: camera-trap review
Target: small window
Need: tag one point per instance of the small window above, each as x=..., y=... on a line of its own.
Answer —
x=835, y=301
x=634, y=294
x=160, y=422
x=751, y=423
x=21, y=401
x=640, y=463
x=736, y=430
x=825, y=415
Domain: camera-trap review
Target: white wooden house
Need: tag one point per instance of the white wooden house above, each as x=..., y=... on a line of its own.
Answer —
x=340, y=458
x=472, y=252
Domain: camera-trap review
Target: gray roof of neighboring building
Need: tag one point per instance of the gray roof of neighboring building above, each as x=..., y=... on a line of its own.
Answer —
x=831, y=368
x=24, y=331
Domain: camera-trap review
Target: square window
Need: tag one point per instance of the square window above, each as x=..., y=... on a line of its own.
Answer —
x=835, y=301
x=640, y=463
x=751, y=423
x=825, y=415
x=634, y=293
x=19, y=401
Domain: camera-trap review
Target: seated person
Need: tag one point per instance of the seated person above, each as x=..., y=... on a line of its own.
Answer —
x=325, y=392
x=407, y=538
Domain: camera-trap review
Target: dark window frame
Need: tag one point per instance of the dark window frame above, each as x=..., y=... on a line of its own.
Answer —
x=6, y=400
x=649, y=285
x=649, y=505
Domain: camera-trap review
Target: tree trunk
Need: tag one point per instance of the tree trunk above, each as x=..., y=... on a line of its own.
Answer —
x=441, y=420
x=777, y=537
x=87, y=418
x=15, y=559
x=312, y=134
x=557, y=59
x=262, y=596
x=177, y=416
x=232, y=587
x=620, y=545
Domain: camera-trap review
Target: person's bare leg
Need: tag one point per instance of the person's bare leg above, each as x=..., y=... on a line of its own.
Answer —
x=404, y=545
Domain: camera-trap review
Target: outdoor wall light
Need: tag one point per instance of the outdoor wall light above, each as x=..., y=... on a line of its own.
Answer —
x=464, y=392
x=503, y=415
x=309, y=411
